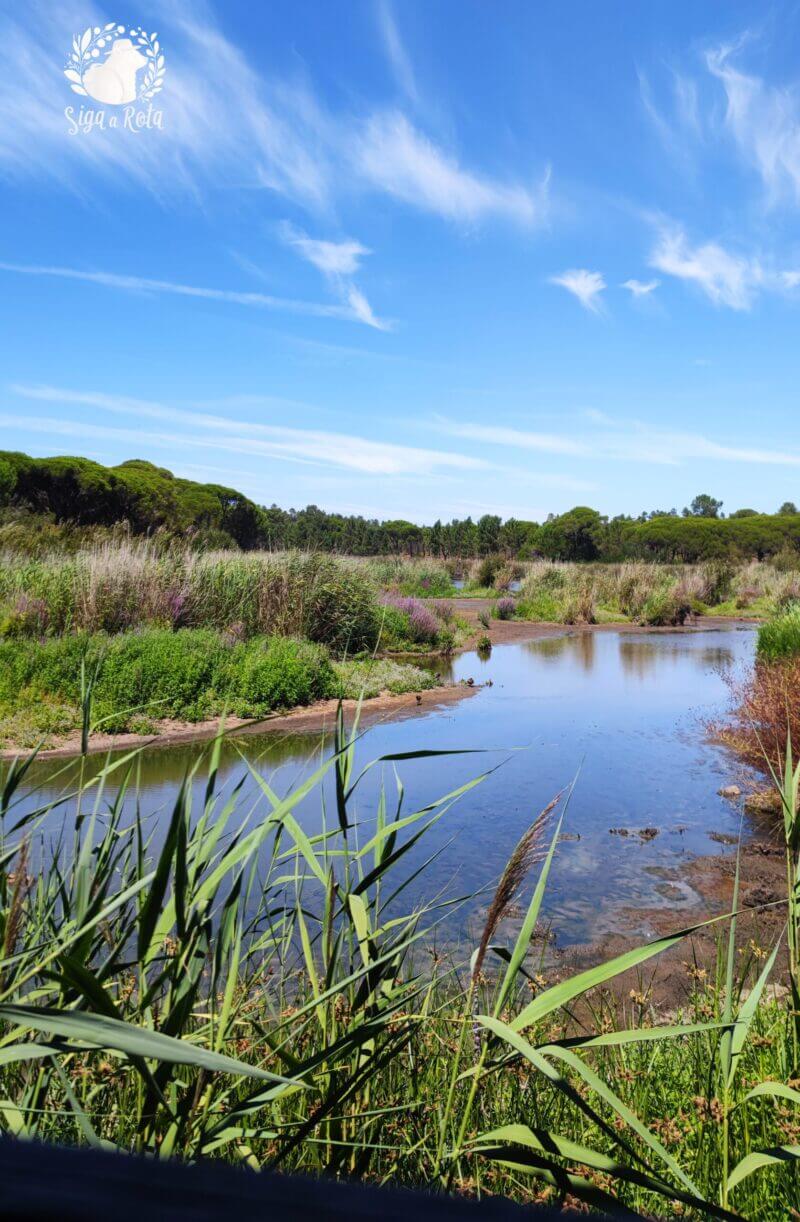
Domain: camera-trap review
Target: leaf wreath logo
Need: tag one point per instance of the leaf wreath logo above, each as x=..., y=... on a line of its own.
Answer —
x=116, y=64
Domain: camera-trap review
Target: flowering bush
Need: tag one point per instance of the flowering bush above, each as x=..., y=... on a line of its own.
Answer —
x=409, y=620
x=506, y=608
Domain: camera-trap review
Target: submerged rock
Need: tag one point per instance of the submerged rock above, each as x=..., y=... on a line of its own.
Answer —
x=730, y=791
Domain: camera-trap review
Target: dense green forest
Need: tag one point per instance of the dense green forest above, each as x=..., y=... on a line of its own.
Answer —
x=62, y=499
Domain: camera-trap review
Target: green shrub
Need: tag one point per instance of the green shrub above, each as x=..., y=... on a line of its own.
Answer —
x=427, y=581
x=34, y=720
x=718, y=582
x=780, y=637
x=787, y=560
x=278, y=673
x=166, y=674
x=447, y=641
x=666, y=607
x=541, y=607
x=190, y=675
x=579, y=605
x=485, y=571
x=30, y=669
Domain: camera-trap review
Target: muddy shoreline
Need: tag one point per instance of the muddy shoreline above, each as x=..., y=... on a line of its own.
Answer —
x=309, y=719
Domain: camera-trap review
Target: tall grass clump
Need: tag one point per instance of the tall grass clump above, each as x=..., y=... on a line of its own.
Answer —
x=239, y=982
x=116, y=587
x=779, y=638
x=411, y=577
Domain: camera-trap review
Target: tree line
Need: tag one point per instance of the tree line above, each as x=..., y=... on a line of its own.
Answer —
x=151, y=499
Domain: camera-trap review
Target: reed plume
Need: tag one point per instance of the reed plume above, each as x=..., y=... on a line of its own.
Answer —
x=529, y=851
x=13, y=926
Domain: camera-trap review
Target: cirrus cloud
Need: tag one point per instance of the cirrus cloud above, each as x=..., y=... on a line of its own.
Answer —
x=585, y=285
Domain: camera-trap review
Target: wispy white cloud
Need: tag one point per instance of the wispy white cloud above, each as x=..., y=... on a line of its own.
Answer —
x=624, y=441
x=240, y=131
x=332, y=258
x=726, y=279
x=676, y=115
x=337, y=261
x=226, y=126
x=640, y=288
x=764, y=121
x=355, y=310
x=361, y=309
x=205, y=430
x=585, y=285
x=761, y=117
x=395, y=50
x=545, y=443
x=391, y=155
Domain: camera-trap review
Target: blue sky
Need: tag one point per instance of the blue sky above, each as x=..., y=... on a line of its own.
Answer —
x=417, y=258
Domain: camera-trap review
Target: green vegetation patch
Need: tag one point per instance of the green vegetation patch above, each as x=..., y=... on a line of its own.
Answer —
x=189, y=675
x=372, y=677
x=780, y=637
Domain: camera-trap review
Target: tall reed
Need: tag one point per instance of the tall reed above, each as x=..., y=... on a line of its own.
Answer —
x=114, y=587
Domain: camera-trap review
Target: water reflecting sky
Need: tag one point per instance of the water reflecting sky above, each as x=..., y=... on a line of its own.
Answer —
x=625, y=710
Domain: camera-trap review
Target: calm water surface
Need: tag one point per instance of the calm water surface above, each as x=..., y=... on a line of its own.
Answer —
x=625, y=710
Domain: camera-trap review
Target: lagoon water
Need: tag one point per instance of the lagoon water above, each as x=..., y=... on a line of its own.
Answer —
x=624, y=712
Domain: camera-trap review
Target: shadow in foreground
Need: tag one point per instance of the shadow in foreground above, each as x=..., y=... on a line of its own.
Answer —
x=42, y=1183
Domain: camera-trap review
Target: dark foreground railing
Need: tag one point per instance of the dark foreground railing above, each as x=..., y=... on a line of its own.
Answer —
x=41, y=1183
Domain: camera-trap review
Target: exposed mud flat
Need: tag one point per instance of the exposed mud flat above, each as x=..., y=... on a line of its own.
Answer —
x=668, y=980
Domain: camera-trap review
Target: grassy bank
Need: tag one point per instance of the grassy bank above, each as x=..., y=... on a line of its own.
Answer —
x=568, y=593
x=134, y=680
x=655, y=595
x=237, y=988
x=117, y=587
x=175, y=634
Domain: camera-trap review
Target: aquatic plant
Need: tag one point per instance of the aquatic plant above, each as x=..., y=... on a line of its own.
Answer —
x=506, y=608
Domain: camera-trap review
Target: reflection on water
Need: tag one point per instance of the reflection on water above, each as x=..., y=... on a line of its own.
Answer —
x=624, y=710
x=640, y=656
